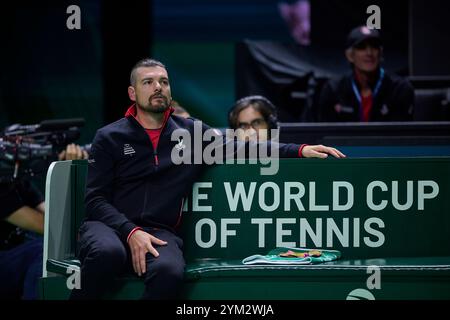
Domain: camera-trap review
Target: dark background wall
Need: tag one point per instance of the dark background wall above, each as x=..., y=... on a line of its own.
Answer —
x=48, y=71
x=429, y=37
x=126, y=38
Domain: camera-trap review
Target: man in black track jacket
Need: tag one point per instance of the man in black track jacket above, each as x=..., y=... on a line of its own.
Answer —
x=367, y=93
x=134, y=191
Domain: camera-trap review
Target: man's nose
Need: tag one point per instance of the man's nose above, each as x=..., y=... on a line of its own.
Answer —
x=157, y=86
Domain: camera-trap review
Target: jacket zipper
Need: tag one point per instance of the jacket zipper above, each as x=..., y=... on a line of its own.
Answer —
x=155, y=154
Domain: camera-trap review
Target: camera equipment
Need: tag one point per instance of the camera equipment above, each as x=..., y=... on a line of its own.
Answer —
x=23, y=146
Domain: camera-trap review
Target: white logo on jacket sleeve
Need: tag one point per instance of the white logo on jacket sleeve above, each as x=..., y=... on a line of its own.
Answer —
x=127, y=149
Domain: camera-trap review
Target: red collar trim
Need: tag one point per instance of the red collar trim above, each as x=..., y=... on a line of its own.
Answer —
x=131, y=111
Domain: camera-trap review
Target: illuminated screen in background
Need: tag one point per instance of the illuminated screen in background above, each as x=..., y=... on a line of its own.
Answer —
x=50, y=72
x=197, y=41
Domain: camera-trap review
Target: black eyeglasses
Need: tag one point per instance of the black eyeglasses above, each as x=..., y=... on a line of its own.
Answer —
x=255, y=124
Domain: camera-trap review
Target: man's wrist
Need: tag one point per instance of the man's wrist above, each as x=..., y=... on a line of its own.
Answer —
x=133, y=231
x=300, y=150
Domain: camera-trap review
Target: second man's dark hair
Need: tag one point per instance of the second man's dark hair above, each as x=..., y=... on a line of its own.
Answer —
x=260, y=104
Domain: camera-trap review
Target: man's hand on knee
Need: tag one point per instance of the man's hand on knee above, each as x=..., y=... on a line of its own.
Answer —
x=140, y=243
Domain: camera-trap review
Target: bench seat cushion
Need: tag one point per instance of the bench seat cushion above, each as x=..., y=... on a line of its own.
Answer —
x=213, y=267
x=399, y=278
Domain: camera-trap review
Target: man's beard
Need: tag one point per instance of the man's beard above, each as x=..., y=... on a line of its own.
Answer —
x=159, y=108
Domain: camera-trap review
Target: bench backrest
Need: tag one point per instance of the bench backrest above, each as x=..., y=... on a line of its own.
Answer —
x=64, y=209
x=367, y=208
x=398, y=207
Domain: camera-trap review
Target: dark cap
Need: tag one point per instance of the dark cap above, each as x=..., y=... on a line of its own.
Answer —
x=361, y=33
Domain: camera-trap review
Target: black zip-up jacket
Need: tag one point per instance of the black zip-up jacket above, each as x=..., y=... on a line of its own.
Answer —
x=131, y=185
x=393, y=102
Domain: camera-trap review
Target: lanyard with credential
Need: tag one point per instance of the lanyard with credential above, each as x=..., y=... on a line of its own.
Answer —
x=375, y=92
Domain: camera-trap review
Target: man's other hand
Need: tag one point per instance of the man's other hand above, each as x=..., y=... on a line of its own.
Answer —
x=140, y=243
x=320, y=151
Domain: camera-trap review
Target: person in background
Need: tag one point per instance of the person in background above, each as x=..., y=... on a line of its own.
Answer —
x=367, y=92
x=73, y=152
x=21, y=230
x=179, y=110
x=255, y=115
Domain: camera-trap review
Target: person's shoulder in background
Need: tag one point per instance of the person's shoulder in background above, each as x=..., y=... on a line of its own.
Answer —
x=400, y=95
x=335, y=91
x=339, y=83
x=399, y=82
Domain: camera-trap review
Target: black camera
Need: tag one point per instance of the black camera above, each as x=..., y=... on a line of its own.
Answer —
x=23, y=148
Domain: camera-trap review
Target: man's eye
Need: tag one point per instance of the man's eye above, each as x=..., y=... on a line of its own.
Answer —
x=165, y=82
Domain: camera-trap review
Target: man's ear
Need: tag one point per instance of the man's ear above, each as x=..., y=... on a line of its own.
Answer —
x=132, y=93
x=349, y=55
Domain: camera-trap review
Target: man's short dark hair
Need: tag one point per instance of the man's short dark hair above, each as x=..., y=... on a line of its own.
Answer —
x=147, y=62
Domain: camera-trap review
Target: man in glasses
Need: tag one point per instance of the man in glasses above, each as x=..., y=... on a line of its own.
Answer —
x=255, y=115
x=368, y=92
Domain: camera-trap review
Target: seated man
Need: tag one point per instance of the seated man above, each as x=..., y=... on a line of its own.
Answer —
x=368, y=92
x=135, y=191
x=22, y=212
